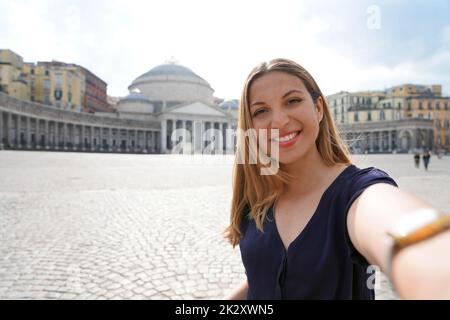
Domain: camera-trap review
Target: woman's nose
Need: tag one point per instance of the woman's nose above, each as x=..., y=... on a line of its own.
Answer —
x=279, y=119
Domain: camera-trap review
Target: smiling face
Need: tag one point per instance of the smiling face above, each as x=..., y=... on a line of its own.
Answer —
x=279, y=100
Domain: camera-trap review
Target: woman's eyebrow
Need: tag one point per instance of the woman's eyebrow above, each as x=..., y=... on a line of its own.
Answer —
x=256, y=103
x=284, y=95
x=292, y=91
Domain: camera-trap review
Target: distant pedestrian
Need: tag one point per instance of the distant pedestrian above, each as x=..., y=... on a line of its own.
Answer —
x=426, y=159
x=417, y=160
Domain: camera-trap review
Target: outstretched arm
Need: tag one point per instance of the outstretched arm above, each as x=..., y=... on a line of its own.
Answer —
x=420, y=271
x=238, y=293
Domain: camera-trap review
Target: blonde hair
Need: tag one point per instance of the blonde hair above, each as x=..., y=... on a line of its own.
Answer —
x=253, y=193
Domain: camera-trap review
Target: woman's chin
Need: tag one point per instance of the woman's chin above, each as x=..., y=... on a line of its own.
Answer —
x=287, y=158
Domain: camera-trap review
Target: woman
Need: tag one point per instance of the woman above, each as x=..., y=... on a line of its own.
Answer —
x=313, y=229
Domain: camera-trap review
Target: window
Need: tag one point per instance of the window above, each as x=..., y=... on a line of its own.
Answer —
x=382, y=116
x=369, y=116
x=399, y=105
x=46, y=72
x=355, y=117
x=58, y=80
x=47, y=84
x=32, y=71
x=446, y=105
x=47, y=99
x=438, y=107
x=409, y=106
x=429, y=105
x=32, y=98
x=420, y=105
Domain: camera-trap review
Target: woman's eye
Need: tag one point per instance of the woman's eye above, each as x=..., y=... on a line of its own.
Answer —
x=257, y=112
x=294, y=101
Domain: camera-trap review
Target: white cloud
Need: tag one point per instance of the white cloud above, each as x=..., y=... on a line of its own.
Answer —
x=221, y=41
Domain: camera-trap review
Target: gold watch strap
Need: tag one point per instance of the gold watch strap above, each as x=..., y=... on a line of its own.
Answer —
x=399, y=240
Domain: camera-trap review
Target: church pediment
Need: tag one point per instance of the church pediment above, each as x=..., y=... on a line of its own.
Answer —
x=197, y=108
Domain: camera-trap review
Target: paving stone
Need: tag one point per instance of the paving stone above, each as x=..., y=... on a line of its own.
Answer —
x=137, y=227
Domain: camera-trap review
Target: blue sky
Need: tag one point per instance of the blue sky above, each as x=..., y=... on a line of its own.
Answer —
x=346, y=45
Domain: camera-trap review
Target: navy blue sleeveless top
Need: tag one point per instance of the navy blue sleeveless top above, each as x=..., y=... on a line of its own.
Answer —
x=321, y=263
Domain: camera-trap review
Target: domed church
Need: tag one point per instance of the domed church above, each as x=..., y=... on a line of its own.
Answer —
x=160, y=101
x=176, y=97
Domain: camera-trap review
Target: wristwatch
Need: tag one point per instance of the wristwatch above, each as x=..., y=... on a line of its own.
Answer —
x=412, y=228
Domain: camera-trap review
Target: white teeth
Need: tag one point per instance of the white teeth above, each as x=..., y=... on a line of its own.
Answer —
x=287, y=138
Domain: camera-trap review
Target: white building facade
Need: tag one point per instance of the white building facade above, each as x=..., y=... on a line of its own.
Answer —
x=166, y=98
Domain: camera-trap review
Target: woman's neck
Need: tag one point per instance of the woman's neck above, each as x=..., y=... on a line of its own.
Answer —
x=311, y=173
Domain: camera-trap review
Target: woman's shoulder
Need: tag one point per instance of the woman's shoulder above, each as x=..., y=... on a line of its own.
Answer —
x=358, y=179
x=356, y=173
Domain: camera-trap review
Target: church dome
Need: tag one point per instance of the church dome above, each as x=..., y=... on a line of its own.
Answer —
x=230, y=104
x=135, y=97
x=135, y=102
x=171, y=83
x=171, y=69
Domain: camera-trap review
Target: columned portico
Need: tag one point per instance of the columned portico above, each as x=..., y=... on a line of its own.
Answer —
x=379, y=137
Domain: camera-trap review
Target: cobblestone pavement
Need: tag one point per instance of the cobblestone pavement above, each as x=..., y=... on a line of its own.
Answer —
x=113, y=226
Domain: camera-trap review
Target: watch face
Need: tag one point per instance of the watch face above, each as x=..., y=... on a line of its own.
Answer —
x=412, y=222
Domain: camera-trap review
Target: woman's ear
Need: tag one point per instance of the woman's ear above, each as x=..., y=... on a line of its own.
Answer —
x=319, y=108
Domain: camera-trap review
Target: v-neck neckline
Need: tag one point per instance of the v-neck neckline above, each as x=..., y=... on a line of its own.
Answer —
x=300, y=235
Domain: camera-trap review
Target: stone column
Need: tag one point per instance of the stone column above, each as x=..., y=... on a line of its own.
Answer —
x=73, y=136
x=56, y=135
x=47, y=134
x=27, y=133
x=1, y=130
x=91, y=136
x=127, y=140
x=100, y=138
x=136, y=140
x=109, y=138
x=389, y=141
x=183, y=126
x=146, y=141
x=155, y=141
x=8, y=129
x=65, y=135
x=164, y=136
x=372, y=141
x=18, y=129
x=221, y=138
x=380, y=141
x=82, y=128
